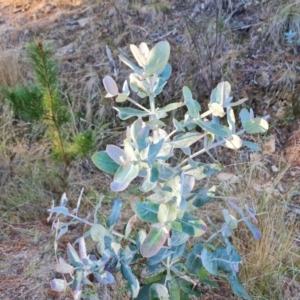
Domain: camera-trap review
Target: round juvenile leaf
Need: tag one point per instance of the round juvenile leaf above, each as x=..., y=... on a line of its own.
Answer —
x=117, y=154
x=230, y=220
x=167, y=212
x=154, y=241
x=234, y=143
x=192, y=105
x=58, y=285
x=64, y=268
x=216, y=109
x=146, y=210
x=132, y=282
x=158, y=58
x=110, y=86
x=158, y=292
x=208, y=261
x=122, y=97
x=138, y=55
x=104, y=162
x=123, y=177
x=256, y=125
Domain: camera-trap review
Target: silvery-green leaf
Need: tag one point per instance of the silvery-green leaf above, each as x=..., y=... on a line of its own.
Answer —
x=59, y=210
x=230, y=220
x=208, y=261
x=144, y=49
x=231, y=104
x=76, y=289
x=174, y=289
x=131, y=65
x=128, y=112
x=153, y=151
x=203, y=170
x=64, y=268
x=136, y=129
x=145, y=210
x=256, y=125
x=178, y=253
x=157, y=58
x=251, y=145
x=179, y=127
x=73, y=256
x=234, y=142
x=122, y=97
x=165, y=171
x=244, y=116
x=132, y=282
x=254, y=230
x=159, y=86
x=141, y=84
x=177, y=238
x=186, y=151
x=104, y=162
x=154, y=241
x=192, y=105
x=167, y=212
x=140, y=237
x=202, y=196
x=62, y=231
x=189, y=224
x=231, y=119
x=166, y=73
x=117, y=154
x=82, y=248
x=150, y=180
x=104, y=278
x=123, y=176
x=237, y=287
x=142, y=94
x=58, y=285
x=99, y=232
x=125, y=88
x=193, y=261
x=115, y=213
x=170, y=107
x=216, y=109
x=138, y=55
x=142, y=138
x=163, y=253
x=187, y=184
x=129, y=150
x=154, y=123
x=219, y=130
x=158, y=292
x=184, y=140
x=228, y=260
x=221, y=93
x=110, y=86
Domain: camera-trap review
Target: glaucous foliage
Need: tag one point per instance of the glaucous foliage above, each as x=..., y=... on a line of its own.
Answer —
x=171, y=270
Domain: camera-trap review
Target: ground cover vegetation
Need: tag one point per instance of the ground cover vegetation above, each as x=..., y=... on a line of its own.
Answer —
x=253, y=45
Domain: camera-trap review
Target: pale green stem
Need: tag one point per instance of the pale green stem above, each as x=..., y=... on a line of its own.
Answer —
x=113, y=231
x=139, y=105
x=206, y=149
x=207, y=113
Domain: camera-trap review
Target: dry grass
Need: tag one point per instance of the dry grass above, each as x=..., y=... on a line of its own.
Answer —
x=285, y=18
x=270, y=265
x=11, y=70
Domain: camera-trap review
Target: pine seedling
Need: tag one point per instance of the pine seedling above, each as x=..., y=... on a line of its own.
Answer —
x=43, y=102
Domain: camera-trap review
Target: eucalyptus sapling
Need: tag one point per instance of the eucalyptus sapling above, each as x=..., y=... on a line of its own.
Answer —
x=168, y=270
